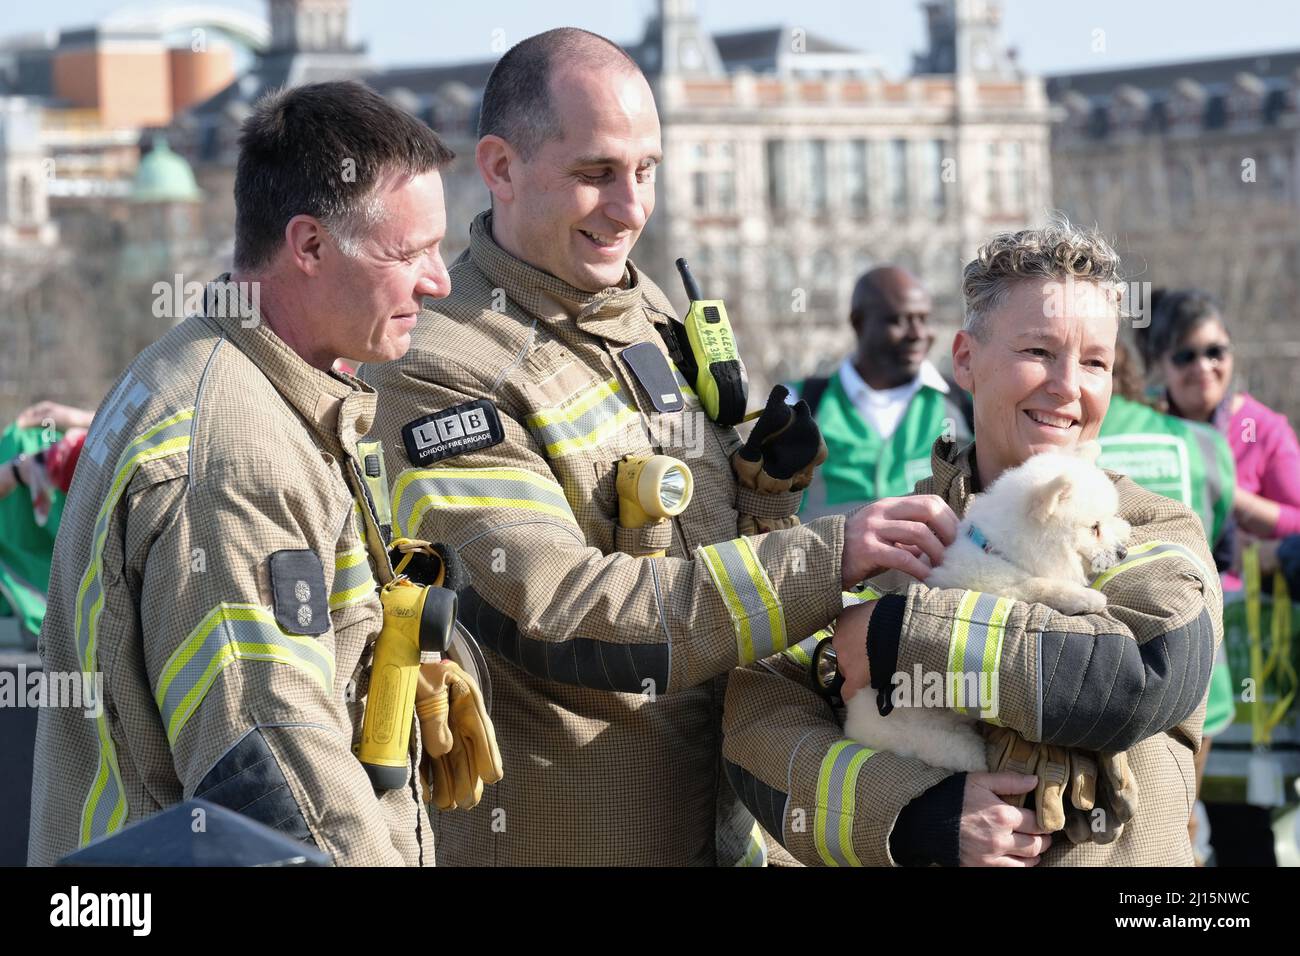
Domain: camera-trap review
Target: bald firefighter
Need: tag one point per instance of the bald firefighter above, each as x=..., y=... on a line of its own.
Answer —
x=522, y=394
x=219, y=551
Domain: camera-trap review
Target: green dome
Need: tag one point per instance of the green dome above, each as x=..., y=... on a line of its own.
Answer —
x=164, y=176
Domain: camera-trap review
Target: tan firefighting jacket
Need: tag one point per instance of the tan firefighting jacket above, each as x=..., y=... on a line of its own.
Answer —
x=211, y=564
x=1132, y=678
x=507, y=417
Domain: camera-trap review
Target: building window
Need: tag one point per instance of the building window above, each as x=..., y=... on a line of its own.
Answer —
x=995, y=178
x=818, y=185
x=1016, y=175
x=713, y=178
x=700, y=191
x=26, y=200
x=778, y=186
x=897, y=175
x=724, y=190
x=855, y=177
x=936, y=188
x=1279, y=175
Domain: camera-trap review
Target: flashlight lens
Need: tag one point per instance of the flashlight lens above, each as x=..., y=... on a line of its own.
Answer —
x=672, y=488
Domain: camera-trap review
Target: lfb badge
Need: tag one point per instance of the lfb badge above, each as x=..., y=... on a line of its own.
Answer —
x=453, y=431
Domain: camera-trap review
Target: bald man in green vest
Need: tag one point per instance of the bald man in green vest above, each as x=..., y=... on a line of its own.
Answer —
x=882, y=410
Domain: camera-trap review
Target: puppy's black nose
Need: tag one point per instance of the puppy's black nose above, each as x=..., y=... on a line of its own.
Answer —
x=1121, y=553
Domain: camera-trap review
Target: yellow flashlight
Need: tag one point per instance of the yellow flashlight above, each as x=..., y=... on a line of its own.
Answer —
x=651, y=488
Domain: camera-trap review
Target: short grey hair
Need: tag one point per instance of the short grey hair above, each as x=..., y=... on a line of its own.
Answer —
x=1057, y=250
x=355, y=224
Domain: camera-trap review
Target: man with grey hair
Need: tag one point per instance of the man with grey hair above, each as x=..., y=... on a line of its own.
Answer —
x=552, y=362
x=1123, y=690
x=220, y=548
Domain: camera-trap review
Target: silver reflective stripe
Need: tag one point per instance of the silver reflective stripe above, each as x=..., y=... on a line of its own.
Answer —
x=836, y=802
x=1148, y=552
x=231, y=632
x=416, y=491
x=749, y=596
x=560, y=433
x=352, y=578
x=978, y=635
x=105, y=810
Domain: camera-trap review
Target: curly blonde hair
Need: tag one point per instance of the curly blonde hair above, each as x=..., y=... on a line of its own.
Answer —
x=1058, y=250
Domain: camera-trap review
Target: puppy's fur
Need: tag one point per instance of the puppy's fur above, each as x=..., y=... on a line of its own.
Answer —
x=1044, y=530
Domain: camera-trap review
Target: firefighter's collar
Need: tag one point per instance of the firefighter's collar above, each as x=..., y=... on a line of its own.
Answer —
x=549, y=298
x=337, y=405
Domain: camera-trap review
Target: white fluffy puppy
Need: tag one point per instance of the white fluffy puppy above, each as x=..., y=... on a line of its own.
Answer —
x=1039, y=533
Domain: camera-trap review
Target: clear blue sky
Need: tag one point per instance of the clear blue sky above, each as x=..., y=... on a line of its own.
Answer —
x=1051, y=37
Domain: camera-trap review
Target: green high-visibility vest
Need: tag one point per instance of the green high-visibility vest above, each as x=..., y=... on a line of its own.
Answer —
x=1191, y=463
x=1187, y=461
x=25, y=547
x=861, y=466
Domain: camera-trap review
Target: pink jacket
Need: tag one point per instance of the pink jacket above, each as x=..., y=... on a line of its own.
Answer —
x=1268, y=459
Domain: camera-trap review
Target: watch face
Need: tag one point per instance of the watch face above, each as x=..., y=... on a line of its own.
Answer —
x=825, y=667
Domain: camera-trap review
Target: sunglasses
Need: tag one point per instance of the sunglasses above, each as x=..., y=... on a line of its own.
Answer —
x=1185, y=357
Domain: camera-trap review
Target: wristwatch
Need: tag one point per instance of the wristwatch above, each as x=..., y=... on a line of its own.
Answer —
x=13, y=466
x=825, y=670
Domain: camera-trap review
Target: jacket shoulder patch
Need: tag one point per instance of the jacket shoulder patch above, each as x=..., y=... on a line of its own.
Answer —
x=298, y=589
x=453, y=431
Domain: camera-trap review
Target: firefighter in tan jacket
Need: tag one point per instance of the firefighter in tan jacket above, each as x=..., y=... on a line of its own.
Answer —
x=520, y=394
x=1077, y=690
x=218, y=556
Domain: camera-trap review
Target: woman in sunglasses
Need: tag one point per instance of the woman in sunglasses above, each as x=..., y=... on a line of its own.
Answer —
x=1190, y=344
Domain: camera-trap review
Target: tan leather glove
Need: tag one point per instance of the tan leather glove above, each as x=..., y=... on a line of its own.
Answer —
x=460, y=745
x=1089, y=795
x=1102, y=792
x=1010, y=753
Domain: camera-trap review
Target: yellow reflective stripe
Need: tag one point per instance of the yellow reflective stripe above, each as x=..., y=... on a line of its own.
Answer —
x=837, y=782
x=860, y=596
x=583, y=423
x=1146, y=553
x=756, y=851
x=353, y=580
x=767, y=594
x=417, y=491
x=592, y=438
x=801, y=653
x=348, y=559
x=341, y=599
x=975, y=651
x=228, y=633
x=960, y=636
x=104, y=810
x=749, y=596
x=575, y=409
